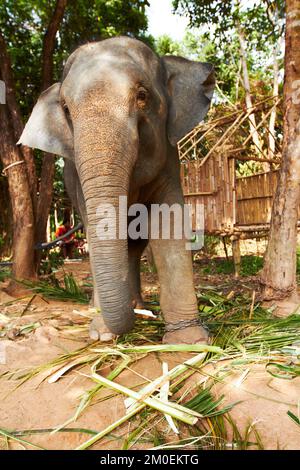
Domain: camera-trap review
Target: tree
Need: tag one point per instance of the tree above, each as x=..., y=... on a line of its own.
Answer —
x=166, y=46
x=48, y=165
x=14, y=162
x=5, y=219
x=239, y=24
x=27, y=209
x=279, y=273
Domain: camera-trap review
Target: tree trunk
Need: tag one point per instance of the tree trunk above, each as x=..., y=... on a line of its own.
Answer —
x=6, y=228
x=20, y=178
x=48, y=166
x=44, y=202
x=19, y=191
x=33, y=214
x=49, y=43
x=272, y=139
x=15, y=117
x=279, y=273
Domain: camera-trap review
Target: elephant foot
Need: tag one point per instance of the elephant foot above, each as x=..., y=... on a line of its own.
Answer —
x=138, y=303
x=189, y=335
x=99, y=331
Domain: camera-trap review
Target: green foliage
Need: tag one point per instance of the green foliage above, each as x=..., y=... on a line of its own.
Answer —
x=165, y=45
x=53, y=261
x=256, y=16
x=210, y=245
x=248, y=168
x=262, y=23
x=283, y=371
x=24, y=23
x=250, y=266
x=70, y=291
x=4, y=274
x=298, y=260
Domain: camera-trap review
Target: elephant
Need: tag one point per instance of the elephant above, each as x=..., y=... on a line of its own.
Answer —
x=116, y=118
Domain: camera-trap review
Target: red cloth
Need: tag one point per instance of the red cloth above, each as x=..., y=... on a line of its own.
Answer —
x=61, y=231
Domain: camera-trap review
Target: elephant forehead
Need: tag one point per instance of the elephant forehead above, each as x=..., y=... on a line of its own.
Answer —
x=120, y=48
x=100, y=65
x=104, y=74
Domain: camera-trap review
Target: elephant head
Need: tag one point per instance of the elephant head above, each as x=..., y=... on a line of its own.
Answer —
x=116, y=112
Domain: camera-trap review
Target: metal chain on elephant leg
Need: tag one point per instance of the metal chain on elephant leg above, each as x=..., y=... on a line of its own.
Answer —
x=182, y=324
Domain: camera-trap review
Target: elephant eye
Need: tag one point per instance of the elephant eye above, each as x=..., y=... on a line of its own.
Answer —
x=141, y=97
x=65, y=108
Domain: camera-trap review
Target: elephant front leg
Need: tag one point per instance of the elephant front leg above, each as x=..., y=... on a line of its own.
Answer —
x=175, y=271
x=177, y=295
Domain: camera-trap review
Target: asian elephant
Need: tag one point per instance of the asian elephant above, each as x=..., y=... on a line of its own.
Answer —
x=116, y=118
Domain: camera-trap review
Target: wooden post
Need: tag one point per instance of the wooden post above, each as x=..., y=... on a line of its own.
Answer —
x=225, y=248
x=236, y=252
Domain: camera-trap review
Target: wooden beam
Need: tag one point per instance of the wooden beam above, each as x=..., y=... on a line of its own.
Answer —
x=270, y=196
x=255, y=159
x=201, y=193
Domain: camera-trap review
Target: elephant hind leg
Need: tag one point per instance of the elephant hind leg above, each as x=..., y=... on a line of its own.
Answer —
x=135, y=251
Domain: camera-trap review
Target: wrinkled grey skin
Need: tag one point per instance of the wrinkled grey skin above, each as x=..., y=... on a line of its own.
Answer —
x=116, y=118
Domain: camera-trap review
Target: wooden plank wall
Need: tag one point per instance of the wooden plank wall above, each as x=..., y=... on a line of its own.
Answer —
x=215, y=182
x=228, y=201
x=255, y=197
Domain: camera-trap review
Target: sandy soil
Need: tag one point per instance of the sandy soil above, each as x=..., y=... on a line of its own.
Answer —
x=37, y=404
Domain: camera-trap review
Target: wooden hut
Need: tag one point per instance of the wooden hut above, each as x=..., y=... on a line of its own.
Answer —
x=234, y=206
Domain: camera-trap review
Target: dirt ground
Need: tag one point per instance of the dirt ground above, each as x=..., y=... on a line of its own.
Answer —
x=36, y=404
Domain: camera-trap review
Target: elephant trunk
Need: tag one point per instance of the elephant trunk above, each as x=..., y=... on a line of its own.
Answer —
x=104, y=161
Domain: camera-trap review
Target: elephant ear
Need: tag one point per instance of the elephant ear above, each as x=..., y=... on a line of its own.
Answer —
x=48, y=128
x=191, y=87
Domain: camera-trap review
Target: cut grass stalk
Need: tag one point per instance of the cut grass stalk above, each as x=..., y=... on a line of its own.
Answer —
x=293, y=417
x=164, y=396
x=238, y=337
x=109, y=429
x=180, y=413
x=178, y=370
x=30, y=432
x=88, y=396
x=195, y=348
x=9, y=435
x=184, y=443
x=59, y=373
x=171, y=375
